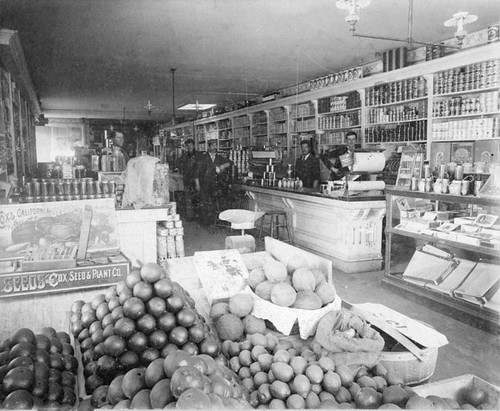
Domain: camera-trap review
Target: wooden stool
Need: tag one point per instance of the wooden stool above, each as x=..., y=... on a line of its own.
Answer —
x=273, y=220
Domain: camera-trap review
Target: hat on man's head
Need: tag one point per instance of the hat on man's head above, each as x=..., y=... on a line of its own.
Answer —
x=189, y=141
x=212, y=141
x=306, y=142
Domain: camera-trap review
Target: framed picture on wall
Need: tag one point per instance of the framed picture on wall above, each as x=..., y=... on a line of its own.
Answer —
x=462, y=152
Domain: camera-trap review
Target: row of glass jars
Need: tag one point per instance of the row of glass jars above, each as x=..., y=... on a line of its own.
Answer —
x=45, y=190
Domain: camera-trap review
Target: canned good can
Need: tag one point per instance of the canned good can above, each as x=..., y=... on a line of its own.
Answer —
x=179, y=245
x=178, y=224
x=171, y=253
x=427, y=171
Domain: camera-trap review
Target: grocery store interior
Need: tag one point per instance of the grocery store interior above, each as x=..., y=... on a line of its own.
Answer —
x=227, y=204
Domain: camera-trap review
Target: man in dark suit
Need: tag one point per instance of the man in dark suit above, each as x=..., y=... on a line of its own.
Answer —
x=188, y=165
x=307, y=167
x=212, y=172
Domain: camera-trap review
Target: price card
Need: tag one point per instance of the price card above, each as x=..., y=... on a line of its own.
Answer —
x=415, y=330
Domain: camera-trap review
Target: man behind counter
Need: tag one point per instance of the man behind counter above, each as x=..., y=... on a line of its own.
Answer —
x=119, y=141
x=307, y=167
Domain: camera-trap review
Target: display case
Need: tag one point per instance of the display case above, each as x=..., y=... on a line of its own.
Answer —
x=453, y=224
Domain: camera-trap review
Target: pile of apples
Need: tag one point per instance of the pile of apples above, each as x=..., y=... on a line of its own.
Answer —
x=135, y=322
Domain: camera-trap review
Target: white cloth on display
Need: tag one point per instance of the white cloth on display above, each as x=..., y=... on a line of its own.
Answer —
x=138, y=178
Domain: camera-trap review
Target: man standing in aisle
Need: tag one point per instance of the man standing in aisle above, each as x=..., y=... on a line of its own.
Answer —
x=119, y=141
x=213, y=168
x=188, y=165
x=307, y=167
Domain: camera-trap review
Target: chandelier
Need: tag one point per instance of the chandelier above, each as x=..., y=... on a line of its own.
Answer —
x=352, y=18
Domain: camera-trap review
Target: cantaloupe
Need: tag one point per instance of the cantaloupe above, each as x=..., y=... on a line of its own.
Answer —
x=326, y=292
x=319, y=276
x=255, y=277
x=254, y=325
x=240, y=304
x=283, y=295
x=307, y=300
x=303, y=280
x=296, y=261
x=229, y=327
x=263, y=290
x=275, y=271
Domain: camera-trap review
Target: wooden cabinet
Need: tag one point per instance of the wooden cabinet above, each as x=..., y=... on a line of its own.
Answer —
x=19, y=108
x=406, y=230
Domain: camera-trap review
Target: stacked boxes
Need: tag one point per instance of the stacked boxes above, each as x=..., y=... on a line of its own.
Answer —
x=170, y=238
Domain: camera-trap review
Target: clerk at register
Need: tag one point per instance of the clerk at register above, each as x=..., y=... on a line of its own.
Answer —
x=307, y=167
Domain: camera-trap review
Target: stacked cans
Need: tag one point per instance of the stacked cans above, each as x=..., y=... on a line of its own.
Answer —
x=269, y=177
x=240, y=159
x=170, y=239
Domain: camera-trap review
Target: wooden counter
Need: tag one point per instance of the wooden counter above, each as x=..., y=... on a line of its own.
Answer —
x=346, y=230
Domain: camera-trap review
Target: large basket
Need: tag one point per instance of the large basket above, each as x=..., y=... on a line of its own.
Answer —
x=406, y=365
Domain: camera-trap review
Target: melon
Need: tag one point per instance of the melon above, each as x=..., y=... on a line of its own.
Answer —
x=263, y=290
x=254, y=325
x=303, y=280
x=241, y=304
x=326, y=292
x=319, y=276
x=229, y=327
x=307, y=300
x=295, y=262
x=219, y=309
x=275, y=271
x=255, y=277
x=283, y=295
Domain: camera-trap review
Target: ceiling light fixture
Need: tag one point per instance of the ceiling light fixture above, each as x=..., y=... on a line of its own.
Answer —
x=149, y=107
x=458, y=20
x=353, y=6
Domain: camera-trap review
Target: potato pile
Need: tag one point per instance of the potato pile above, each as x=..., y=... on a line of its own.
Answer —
x=294, y=285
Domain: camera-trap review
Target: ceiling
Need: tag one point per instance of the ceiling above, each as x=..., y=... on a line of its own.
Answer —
x=107, y=58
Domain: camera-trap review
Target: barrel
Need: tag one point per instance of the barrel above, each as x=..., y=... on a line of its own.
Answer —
x=410, y=368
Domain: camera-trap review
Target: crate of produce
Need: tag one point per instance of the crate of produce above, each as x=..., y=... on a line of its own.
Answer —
x=465, y=389
x=312, y=291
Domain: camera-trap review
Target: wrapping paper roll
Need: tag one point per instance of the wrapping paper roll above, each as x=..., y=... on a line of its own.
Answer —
x=368, y=162
x=366, y=185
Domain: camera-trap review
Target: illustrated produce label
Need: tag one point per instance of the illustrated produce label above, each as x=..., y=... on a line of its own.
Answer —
x=24, y=225
x=56, y=281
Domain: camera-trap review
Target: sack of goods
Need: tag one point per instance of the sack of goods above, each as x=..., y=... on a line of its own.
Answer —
x=348, y=339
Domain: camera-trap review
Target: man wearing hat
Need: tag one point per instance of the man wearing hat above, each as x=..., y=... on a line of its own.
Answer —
x=188, y=165
x=212, y=175
x=307, y=166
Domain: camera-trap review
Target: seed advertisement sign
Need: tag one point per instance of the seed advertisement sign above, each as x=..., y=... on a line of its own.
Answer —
x=54, y=281
x=41, y=224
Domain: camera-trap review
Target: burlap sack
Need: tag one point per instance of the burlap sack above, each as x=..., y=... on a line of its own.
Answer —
x=342, y=331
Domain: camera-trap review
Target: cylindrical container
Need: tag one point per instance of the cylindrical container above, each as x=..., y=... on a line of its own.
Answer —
x=112, y=186
x=442, y=170
x=161, y=242
x=477, y=187
x=171, y=247
x=444, y=185
x=459, y=172
x=37, y=192
x=414, y=184
x=465, y=187
x=179, y=245
x=427, y=171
